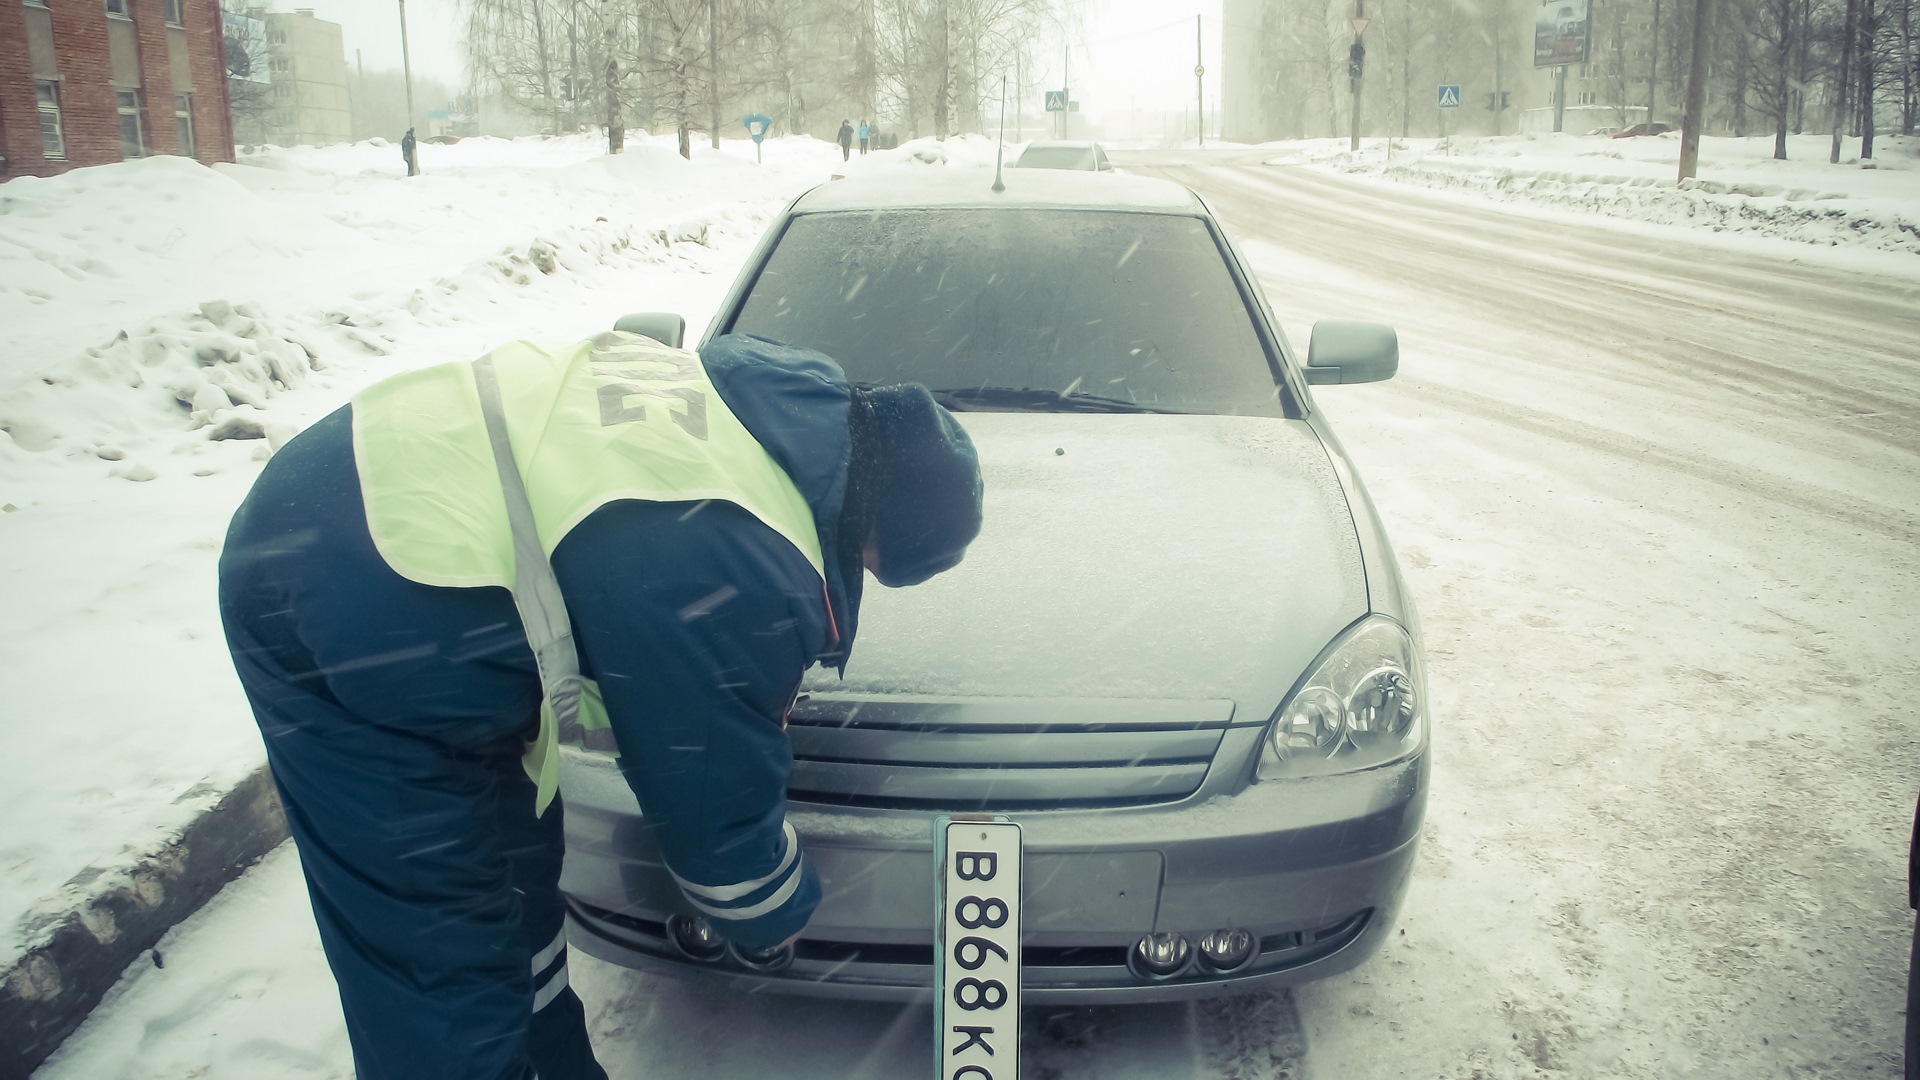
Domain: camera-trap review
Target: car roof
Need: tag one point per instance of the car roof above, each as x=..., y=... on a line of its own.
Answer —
x=1061, y=144
x=935, y=187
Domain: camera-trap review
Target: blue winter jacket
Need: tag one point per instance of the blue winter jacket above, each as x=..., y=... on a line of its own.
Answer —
x=696, y=619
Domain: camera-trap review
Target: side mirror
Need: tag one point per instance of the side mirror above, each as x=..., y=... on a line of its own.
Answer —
x=662, y=326
x=1351, y=352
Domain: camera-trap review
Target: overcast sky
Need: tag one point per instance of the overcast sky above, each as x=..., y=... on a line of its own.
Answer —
x=1126, y=53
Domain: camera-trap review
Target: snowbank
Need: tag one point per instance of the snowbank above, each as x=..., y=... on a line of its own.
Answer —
x=959, y=151
x=1740, y=187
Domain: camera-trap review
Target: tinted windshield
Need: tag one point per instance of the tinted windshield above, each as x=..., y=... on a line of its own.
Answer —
x=1056, y=157
x=1139, y=307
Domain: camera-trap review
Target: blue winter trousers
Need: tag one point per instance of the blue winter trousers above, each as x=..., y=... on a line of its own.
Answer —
x=435, y=888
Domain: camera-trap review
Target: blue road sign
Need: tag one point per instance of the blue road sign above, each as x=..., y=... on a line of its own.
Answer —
x=757, y=125
x=1056, y=101
x=1450, y=96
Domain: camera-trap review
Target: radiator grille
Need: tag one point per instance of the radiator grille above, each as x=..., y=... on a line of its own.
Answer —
x=1000, y=753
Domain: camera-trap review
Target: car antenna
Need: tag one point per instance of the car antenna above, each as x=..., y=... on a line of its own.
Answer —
x=1000, y=156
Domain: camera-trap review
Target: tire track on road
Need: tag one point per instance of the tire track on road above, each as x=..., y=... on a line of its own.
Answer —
x=1887, y=521
x=1868, y=375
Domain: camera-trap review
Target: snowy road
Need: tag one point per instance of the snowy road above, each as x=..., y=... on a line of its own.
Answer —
x=1658, y=495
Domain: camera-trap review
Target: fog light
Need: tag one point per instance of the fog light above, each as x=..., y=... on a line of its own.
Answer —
x=696, y=937
x=763, y=960
x=1226, y=950
x=1159, y=956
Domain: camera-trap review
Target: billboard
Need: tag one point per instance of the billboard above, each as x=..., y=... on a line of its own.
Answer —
x=246, y=47
x=1562, y=33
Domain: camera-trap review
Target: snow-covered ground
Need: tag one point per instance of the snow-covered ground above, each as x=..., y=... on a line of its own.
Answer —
x=1654, y=497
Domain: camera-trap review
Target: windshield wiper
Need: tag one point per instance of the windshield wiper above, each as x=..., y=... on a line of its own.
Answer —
x=994, y=398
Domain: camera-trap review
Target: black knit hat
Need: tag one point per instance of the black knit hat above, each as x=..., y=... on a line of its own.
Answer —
x=914, y=488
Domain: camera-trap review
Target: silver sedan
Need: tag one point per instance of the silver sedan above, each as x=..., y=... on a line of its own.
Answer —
x=1180, y=654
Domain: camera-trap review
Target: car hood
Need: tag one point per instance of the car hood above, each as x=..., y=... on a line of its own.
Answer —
x=1127, y=556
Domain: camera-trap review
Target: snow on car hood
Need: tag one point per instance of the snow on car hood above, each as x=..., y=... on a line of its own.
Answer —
x=1127, y=556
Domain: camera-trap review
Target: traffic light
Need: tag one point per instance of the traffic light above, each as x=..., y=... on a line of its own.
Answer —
x=1356, y=60
x=1506, y=99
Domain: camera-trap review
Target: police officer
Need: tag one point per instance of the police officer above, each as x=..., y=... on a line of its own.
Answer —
x=616, y=543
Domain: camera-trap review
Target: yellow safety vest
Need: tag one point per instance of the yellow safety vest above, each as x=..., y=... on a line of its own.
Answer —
x=618, y=416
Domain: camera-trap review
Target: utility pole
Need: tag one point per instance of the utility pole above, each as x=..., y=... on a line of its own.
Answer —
x=1199, y=82
x=1066, y=88
x=1559, y=99
x=1696, y=91
x=406, y=64
x=1356, y=68
x=1499, y=73
x=616, y=130
x=713, y=68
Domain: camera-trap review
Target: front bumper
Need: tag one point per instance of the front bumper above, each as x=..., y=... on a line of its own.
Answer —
x=1315, y=869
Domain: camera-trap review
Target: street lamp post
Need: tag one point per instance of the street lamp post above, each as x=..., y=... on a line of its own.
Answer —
x=1199, y=81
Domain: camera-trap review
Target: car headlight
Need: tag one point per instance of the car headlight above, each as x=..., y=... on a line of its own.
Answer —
x=1363, y=704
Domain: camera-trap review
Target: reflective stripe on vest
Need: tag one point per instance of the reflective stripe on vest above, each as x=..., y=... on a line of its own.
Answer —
x=616, y=417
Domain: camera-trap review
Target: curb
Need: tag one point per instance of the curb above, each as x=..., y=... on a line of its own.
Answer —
x=51, y=989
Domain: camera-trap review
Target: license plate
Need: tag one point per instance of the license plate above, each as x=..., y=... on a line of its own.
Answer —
x=977, y=950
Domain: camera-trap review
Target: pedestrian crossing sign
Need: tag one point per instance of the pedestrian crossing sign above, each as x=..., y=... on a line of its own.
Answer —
x=1056, y=101
x=1450, y=96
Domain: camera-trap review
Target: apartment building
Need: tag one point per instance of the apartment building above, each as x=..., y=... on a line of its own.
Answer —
x=298, y=92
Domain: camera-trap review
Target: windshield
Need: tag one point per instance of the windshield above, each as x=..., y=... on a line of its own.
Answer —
x=1129, y=306
x=1056, y=157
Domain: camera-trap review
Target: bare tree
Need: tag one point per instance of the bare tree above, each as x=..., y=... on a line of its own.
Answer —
x=940, y=60
x=1909, y=70
x=1869, y=30
x=250, y=93
x=528, y=51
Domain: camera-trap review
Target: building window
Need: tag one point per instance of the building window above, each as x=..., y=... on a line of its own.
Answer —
x=171, y=8
x=34, y=3
x=53, y=140
x=1586, y=97
x=133, y=141
x=119, y=7
x=183, y=123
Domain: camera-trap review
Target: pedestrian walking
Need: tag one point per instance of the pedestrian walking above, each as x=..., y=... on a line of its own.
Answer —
x=407, y=145
x=865, y=133
x=846, y=139
x=612, y=543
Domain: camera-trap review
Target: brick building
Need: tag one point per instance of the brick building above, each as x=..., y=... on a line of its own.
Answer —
x=88, y=82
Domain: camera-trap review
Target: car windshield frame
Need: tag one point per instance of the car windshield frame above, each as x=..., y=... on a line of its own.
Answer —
x=1288, y=401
